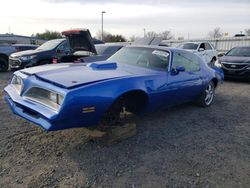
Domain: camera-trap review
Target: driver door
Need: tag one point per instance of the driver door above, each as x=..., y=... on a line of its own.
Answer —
x=184, y=79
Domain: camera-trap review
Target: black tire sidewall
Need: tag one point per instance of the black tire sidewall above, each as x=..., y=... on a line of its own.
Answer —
x=3, y=64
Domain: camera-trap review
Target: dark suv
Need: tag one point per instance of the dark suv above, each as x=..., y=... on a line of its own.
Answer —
x=58, y=49
x=6, y=50
x=40, y=56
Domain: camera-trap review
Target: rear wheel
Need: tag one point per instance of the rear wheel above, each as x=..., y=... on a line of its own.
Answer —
x=3, y=64
x=207, y=95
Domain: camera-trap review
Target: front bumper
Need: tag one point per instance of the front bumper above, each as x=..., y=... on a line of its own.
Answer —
x=45, y=118
x=71, y=114
x=237, y=73
x=15, y=63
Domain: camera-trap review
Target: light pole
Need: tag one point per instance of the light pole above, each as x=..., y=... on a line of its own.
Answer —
x=144, y=29
x=103, y=12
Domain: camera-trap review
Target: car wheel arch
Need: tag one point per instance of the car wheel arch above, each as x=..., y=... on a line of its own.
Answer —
x=134, y=100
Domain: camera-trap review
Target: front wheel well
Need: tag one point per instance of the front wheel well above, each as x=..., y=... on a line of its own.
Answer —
x=134, y=101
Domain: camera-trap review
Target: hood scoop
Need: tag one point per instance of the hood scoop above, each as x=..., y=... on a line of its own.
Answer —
x=103, y=65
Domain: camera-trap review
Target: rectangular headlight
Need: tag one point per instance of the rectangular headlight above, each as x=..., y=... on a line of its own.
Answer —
x=48, y=98
x=17, y=82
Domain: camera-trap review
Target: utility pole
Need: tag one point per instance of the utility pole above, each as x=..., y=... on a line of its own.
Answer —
x=144, y=30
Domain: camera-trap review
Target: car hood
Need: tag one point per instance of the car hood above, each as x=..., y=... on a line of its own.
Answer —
x=70, y=75
x=25, y=53
x=235, y=59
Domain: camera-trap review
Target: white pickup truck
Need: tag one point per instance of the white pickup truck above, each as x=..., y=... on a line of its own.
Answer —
x=204, y=49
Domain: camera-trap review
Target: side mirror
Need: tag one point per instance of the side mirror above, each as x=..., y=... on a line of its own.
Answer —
x=58, y=51
x=201, y=49
x=180, y=69
x=221, y=54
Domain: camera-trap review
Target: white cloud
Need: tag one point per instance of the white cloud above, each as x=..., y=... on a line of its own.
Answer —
x=195, y=18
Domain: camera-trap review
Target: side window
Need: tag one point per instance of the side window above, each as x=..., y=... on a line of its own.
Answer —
x=208, y=46
x=187, y=60
x=64, y=47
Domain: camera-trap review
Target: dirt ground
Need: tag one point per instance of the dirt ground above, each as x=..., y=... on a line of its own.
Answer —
x=185, y=146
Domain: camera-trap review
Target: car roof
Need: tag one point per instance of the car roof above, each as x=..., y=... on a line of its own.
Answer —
x=109, y=44
x=25, y=45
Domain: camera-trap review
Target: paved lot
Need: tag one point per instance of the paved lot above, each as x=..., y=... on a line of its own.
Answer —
x=185, y=146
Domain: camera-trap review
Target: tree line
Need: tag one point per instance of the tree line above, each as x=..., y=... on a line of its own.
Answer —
x=108, y=37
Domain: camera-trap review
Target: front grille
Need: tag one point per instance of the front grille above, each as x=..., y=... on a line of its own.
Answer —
x=234, y=66
x=14, y=62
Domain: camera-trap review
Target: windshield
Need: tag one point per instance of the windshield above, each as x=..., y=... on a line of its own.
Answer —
x=188, y=46
x=143, y=57
x=50, y=45
x=240, y=51
x=106, y=49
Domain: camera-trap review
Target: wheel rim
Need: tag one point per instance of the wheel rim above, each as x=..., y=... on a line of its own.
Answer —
x=209, y=94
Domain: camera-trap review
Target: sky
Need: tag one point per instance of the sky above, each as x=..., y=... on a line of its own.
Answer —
x=184, y=18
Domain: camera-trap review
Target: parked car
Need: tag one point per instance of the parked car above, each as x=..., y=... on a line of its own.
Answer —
x=40, y=56
x=104, y=51
x=6, y=50
x=236, y=62
x=136, y=79
x=204, y=49
x=55, y=49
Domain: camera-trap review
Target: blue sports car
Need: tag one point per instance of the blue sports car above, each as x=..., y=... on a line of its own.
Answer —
x=136, y=79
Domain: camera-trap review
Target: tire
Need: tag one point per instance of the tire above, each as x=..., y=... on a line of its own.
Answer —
x=3, y=64
x=207, y=96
